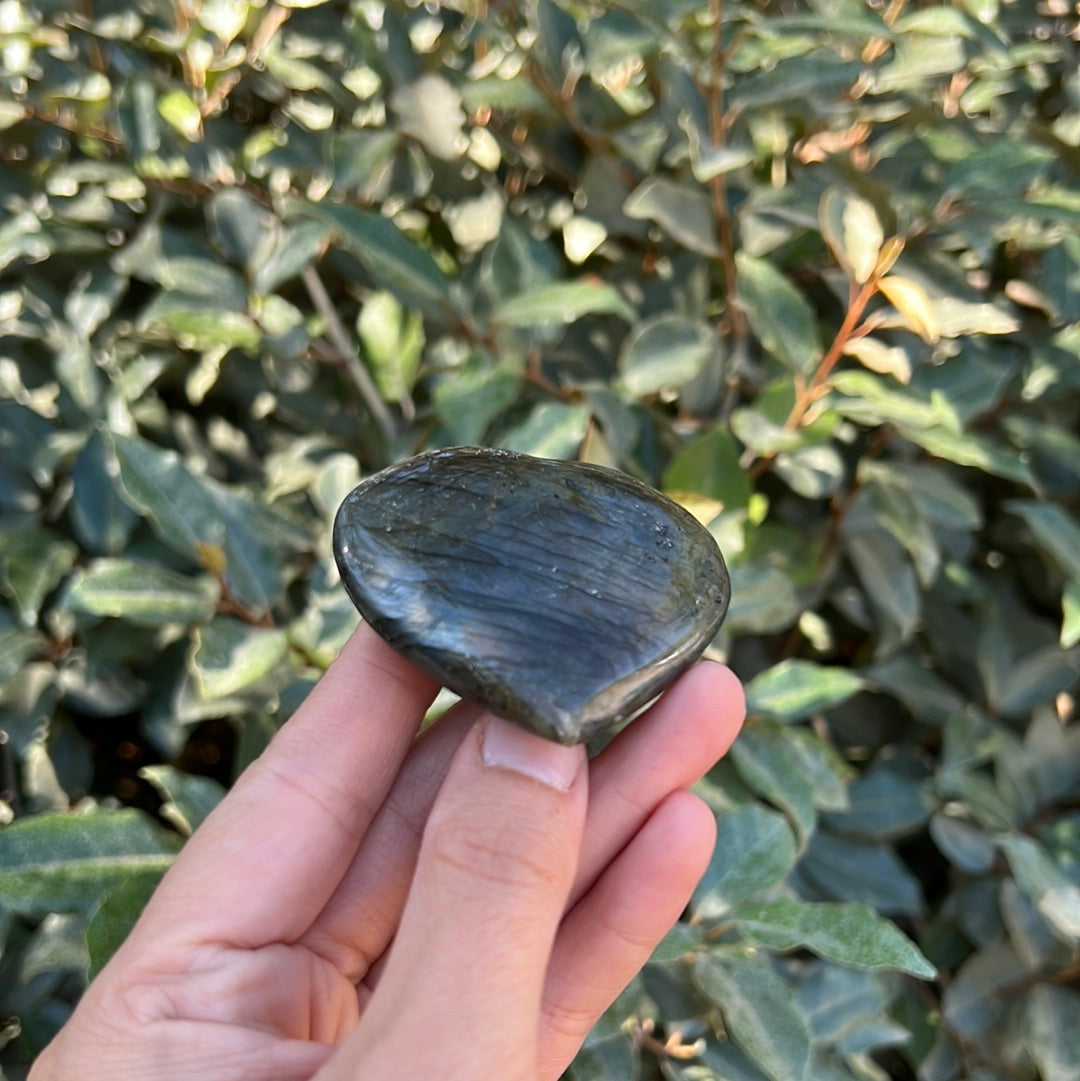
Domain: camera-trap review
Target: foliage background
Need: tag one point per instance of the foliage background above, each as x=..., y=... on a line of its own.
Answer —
x=253, y=249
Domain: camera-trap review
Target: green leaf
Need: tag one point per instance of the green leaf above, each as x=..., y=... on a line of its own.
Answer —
x=562, y=302
x=117, y=914
x=889, y=799
x=101, y=519
x=393, y=260
x=709, y=465
x=851, y=934
x=682, y=211
x=778, y=314
x=1056, y=898
x=552, y=430
x=912, y=301
x=890, y=582
x=760, y=1012
x=1070, y=621
x=755, y=849
x=229, y=655
x=68, y=862
x=871, y=874
x=430, y=111
x=850, y=226
x=393, y=340
x=768, y=763
x=141, y=593
x=1055, y=531
x=763, y=600
x=471, y=397
x=239, y=225
x=664, y=352
x=188, y=797
x=793, y=689
x=203, y=520
x=33, y=561
x=288, y=253
x=179, y=111
x=1051, y=1034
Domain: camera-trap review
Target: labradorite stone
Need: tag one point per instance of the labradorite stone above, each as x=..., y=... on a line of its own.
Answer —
x=562, y=596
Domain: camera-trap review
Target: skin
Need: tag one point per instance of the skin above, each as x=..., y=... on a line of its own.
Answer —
x=519, y=887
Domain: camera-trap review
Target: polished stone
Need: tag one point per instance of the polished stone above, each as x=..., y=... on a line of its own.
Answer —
x=562, y=596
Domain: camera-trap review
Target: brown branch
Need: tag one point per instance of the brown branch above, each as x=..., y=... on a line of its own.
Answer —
x=718, y=130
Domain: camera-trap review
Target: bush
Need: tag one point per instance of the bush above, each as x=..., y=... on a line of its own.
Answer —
x=812, y=267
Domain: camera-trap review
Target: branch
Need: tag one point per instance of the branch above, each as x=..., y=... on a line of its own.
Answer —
x=348, y=355
x=718, y=129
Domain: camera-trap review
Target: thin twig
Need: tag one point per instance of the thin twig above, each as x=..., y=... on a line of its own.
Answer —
x=718, y=129
x=348, y=355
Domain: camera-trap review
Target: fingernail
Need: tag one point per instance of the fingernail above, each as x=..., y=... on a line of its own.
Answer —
x=508, y=747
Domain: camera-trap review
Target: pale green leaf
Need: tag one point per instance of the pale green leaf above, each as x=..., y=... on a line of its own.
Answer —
x=852, y=934
x=1070, y=609
x=562, y=302
x=393, y=340
x=66, y=862
x=664, y=352
x=229, y=655
x=852, y=230
x=1051, y=1032
x=911, y=300
x=680, y=210
x=188, y=798
x=179, y=111
x=430, y=111
x=141, y=593
x=794, y=689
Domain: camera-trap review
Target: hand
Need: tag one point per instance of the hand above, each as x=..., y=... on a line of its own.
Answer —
x=365, y=904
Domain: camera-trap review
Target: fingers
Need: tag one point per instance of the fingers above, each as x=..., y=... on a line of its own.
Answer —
x=266, y=861
x=493, y=874
x=607, y=937
x=668, y=748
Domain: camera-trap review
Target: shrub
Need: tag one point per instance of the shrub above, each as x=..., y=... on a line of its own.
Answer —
x=811, y=266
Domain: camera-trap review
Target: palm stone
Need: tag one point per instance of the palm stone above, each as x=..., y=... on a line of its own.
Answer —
x=561, y=596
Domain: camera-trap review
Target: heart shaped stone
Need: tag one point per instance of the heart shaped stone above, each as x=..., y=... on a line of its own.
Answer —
x=562, y=596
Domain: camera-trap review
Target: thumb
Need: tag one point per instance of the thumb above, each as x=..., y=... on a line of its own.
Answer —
x=495, y=869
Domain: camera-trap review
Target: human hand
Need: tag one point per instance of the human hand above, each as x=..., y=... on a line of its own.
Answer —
x=364, y=904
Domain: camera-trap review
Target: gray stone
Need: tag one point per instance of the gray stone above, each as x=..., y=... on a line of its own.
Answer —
x=562, y=596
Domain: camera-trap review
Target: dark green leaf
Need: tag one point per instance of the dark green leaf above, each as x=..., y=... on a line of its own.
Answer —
x=760, y=1012
x=709, y=466
x=754, y=849
x=778, y=314
x=391, y=258
x=117, y=914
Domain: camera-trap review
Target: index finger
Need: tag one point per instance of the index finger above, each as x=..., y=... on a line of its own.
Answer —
x=265, y=862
